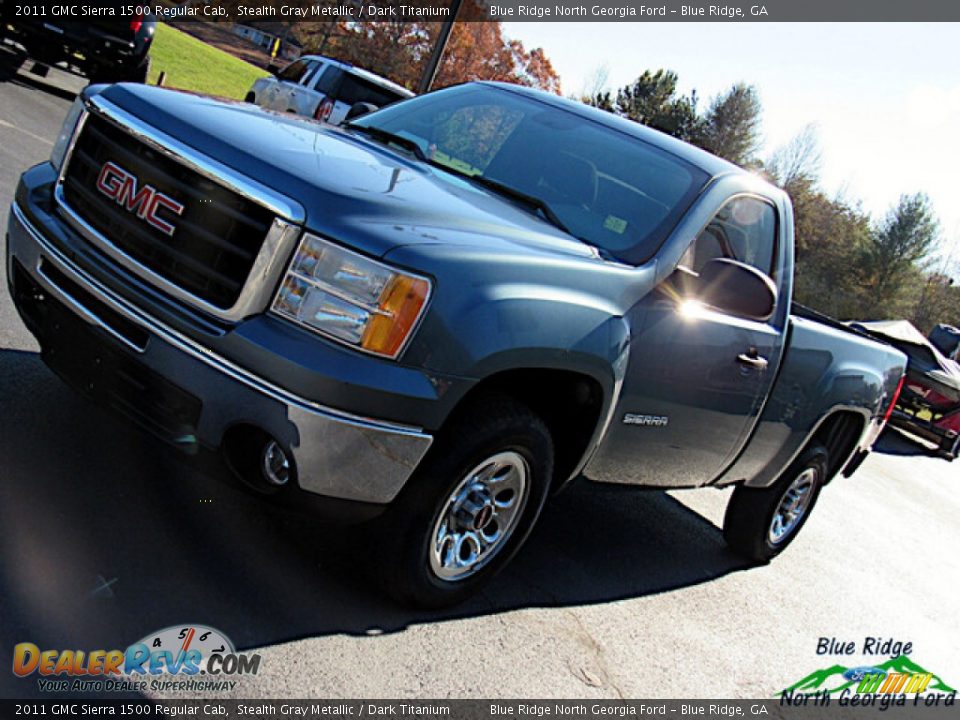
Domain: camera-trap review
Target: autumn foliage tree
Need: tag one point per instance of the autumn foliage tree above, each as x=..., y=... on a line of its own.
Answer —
x=399, y=50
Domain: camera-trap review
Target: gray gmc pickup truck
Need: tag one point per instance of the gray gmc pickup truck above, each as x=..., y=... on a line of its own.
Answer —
x=439, y=315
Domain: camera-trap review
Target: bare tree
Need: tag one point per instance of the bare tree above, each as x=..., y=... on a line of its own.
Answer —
x=798, y=161
x=595, y=83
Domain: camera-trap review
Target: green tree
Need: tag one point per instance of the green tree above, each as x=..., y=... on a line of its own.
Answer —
x=938, y=301
x=731, y=127
x=898, y=248
x=652, y=100
x=831, y=234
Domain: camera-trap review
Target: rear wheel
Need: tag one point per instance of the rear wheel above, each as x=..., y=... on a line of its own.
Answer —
x=114, y=72
x=949, y=447
x=469, y=507
x=761, y=522
x=141, y=72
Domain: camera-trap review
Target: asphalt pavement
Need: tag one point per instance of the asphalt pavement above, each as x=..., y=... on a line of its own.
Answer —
x=106, y=535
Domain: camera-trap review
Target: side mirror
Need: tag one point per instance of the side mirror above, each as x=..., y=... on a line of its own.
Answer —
x=736, y=288
x=359, y=109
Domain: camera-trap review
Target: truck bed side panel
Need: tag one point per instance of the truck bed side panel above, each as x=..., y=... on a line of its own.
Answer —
x=825, y=370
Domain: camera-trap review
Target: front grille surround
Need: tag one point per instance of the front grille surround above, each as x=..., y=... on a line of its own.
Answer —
x=210, y=266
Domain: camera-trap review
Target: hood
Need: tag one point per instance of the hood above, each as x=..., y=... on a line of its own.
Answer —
x=353, y=189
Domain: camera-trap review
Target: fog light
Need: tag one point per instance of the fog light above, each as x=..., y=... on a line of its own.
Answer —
x=275, y=465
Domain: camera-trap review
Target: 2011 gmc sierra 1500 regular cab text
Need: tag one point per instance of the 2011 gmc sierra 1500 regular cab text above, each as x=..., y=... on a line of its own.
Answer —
x=441, y=313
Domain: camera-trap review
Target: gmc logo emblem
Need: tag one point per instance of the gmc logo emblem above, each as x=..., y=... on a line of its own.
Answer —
x=121, y=187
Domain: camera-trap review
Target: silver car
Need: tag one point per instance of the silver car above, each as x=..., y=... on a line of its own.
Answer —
x=323, y=88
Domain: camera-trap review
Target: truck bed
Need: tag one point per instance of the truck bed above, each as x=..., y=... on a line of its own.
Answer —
x=828, y=368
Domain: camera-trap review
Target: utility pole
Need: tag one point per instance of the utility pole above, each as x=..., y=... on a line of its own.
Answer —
x=430, y=71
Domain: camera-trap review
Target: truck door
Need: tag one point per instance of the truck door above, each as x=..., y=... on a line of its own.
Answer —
x=287, y=82
x=696, y=379
x=300, y=98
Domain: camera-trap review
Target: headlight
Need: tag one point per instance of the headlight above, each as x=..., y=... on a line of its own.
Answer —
x=66, y=132
x=350, y=297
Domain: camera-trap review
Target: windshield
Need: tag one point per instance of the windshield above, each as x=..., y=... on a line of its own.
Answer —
x=606, y=187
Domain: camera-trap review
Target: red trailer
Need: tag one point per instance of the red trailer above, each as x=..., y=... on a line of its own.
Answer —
x=929, y=405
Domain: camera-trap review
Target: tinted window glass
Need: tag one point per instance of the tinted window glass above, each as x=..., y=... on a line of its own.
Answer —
x=355, y=89
x=744, y=229
x=312, y=68
x=608, y=187
x=326, y=82
x=294, y=71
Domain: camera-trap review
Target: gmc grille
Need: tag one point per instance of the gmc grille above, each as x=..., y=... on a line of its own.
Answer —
x=217, y=237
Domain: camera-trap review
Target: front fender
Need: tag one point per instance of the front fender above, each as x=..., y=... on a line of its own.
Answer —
x=494, y=312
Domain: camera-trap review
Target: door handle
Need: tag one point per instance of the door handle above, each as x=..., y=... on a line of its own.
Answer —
x=752, y=358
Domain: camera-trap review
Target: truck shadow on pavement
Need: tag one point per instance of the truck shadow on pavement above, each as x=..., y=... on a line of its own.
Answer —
x=108, y=535
x=15, y=68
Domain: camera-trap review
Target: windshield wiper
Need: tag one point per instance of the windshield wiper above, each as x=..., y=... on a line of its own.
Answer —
x=391, y=138
x=498, y=187
x=531, y=200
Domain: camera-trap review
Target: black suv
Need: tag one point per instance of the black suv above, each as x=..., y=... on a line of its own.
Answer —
x=105, y=50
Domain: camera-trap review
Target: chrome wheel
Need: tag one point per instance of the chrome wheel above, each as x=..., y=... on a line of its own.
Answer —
x=793, y=506
x=479, y=516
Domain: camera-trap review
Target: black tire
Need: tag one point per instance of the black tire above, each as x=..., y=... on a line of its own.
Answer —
x=485, y=428
x=949, y=448
x=141, y=72
x=748, y=524
x=115, y=73
x=250, y=98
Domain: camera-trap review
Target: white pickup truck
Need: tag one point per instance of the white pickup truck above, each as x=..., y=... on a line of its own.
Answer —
x=324, y=89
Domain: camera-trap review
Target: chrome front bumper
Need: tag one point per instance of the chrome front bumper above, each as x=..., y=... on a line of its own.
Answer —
x=336, y=454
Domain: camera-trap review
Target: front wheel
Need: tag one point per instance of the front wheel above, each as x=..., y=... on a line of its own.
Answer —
x=761, y=522
x=469, y=507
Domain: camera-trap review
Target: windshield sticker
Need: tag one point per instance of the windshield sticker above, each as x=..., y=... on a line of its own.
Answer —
x=615, y=224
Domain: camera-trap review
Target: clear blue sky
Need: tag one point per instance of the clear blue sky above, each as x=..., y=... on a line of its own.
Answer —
x=885, y=97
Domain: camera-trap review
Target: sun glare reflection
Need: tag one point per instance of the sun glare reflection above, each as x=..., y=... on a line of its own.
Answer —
x=691, y=309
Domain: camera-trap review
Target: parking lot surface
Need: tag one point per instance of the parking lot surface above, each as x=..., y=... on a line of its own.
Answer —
x=106, y=535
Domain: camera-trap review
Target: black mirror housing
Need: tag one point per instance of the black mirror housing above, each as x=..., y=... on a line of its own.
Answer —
x=736, y=288
x=360, y=109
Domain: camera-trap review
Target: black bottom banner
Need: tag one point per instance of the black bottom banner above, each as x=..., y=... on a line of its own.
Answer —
x=818, y=707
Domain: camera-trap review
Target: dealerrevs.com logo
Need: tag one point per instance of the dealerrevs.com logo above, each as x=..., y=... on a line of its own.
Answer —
x=190, y=658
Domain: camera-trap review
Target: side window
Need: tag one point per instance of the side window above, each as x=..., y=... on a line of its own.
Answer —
x=313, y=67
x=744, y=229
x=294, y=71
x=326, y=80
x=356, y=89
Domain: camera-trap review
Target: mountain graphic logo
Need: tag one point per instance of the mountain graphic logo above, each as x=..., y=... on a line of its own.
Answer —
x=837, y=678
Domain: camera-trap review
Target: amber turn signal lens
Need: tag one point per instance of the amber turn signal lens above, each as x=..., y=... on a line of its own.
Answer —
x=401, y=303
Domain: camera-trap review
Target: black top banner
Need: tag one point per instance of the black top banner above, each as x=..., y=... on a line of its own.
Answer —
x=495, y=10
